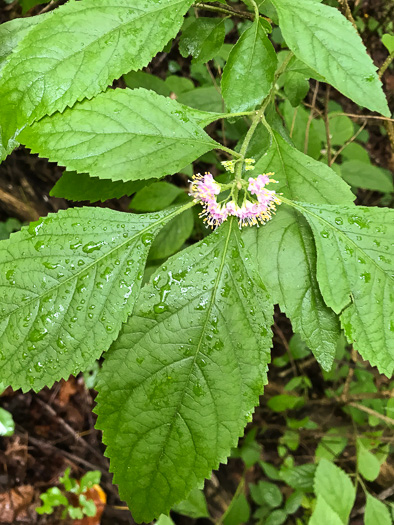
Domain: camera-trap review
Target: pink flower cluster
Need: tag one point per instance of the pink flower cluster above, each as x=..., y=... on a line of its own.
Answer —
x=205, y=189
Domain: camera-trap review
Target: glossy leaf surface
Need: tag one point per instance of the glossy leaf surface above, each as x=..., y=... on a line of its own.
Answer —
x=184, y=376
x=120, y=135
x=328, y=43
x=355, y=258
x=284, y=248
x=65, y=50
x=67, y=283
x=249, y=71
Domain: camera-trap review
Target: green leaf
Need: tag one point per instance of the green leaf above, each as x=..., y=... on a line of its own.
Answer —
x=78, y=50
x=164, y=520
x=238, y=512
x=388, y=42
x=172, y=237
x=8, y=227
x=285, y=251
x=7, y=425
x=12, y=32
x=203, y=98
x=68, y=282
x=367, y=462
x=195, y=506
x=28, y=4
x=181, y=381
x=299, y=477
x=277, y=517
x=323, y=513
x=283, y=402
x=341, y=128
x=79, y=187
x=266, y=493
x=376, y=512
x=140, y=79
x=327, y=42
x=202, y=39
x=120, y=135
x=296, y=87
x=297, y=121
x=52, y=498
x=355, y=272
x=367, y=176
x=250, y=69
x=155, y=197
x=334, y=486
x=331, y=445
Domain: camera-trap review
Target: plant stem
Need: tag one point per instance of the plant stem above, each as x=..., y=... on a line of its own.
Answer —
x=386, y=64
x=256, y=10
x=232, y=152
x=225, y=10
x=239, y=490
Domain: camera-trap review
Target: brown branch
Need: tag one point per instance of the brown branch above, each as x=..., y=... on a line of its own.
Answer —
x=227, y=10
x=348, y=13
x=371, y=412
x=353, y=138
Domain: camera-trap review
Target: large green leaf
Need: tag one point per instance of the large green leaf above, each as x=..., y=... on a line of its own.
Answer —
x=67, y=283
x=181, y=381
x=328, y=43
x=249, y=71
x=355, y=257
x=120, y=135
x=78, y=50
x=285, y=251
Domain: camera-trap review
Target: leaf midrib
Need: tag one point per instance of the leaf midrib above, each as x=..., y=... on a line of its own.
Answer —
x=209, y=310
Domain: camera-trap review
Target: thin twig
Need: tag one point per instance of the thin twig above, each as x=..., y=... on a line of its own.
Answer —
x=287, y=348
x=68, y=429
x=311, y=117
x=226, y=10
x=371, y=412
x=348, y=142
x=345, y=393
x=348, y=13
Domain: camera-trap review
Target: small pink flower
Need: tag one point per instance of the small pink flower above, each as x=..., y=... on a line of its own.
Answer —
x=204, y=189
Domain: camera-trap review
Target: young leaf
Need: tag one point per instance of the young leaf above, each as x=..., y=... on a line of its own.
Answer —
x=249, y=71
x=334, y=487
x=368, y=463
x=120, y=135
x=296, y=87
x=195, y=506
x=355, y=273
x=68, y=282
x=203, y=38
x=78, y=50
x=376, y=512
x=284, y=248
x=328, y=43
x=182, y=379
x=81, y=187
